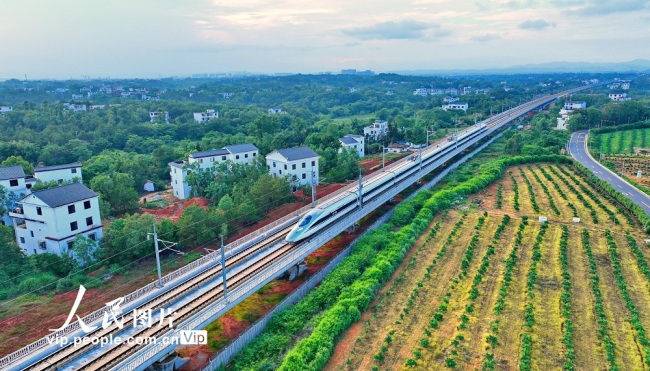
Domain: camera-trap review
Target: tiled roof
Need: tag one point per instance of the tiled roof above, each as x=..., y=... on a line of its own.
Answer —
x=11, y=172
x=348, y=140
x=179, y=164
x=213, y=152
x=239, y=148
x=297, y=153
x=56, y=167
x=66, y=194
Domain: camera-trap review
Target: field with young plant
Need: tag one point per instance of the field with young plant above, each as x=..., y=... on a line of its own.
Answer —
x=487, y=286
x=624, y=141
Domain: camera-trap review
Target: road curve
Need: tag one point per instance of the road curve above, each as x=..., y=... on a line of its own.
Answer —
x=578, y=150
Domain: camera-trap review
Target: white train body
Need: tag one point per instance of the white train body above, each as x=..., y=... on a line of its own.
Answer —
x=326, y=214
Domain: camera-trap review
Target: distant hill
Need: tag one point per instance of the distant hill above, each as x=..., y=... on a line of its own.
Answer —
x=637, y=65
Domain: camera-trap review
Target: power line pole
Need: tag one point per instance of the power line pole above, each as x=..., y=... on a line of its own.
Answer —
x=223, y=268
x=168, y=246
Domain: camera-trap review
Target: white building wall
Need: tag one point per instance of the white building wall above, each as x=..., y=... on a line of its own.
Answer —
x=58, y=175
x=300, y=169
x=51, y=232
x=179, y=184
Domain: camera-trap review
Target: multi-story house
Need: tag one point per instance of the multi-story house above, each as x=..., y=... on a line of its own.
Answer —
x=275, y=110
x=618, y=97
x=59, y=173
x=299, y=164
x=571, y=105
x=377, y=130
x=202, y=117
x=159, y=116
x=456, y=106
x=5, y=109
x=12, y=179
x=353, y=141
x=47, y=221
x=208, y=161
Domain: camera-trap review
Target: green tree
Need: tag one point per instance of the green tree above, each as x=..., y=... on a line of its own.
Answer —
x=84, y=250
x=117, y=190
x=18, y=160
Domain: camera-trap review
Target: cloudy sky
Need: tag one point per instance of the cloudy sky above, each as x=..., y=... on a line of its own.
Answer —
x=151, y=38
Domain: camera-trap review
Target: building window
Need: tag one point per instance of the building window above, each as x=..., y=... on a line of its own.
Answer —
x=39, y=211
x=293, y=167
x=89, y=221
x=254, y=154
x=71, y=209
x=304, y=165
x=285, y=166
x=31, y=233
x=223, y=158
x=92, y=236
x=13, y=183
x=73, y=226
x=86, y=205
x=313, y=163
x=246, y=155
x=273, y=164
x=280, y=171
x=237, y=157
x=41, y=244
x=304, y=176
x=70, y=245
x=200, y=161
x=22, y=239
x=74, y=171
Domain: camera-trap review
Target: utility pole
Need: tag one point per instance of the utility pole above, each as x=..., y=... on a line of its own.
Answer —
x=383, y=152
x=360, y=191
x=168, y=246
x=313, y=188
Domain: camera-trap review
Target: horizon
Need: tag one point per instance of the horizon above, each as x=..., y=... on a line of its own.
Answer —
x=152, y=39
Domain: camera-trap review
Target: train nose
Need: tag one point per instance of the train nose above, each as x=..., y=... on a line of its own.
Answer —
x=294, y=235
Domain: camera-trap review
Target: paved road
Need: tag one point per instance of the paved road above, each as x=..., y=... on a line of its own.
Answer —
x=577, y=148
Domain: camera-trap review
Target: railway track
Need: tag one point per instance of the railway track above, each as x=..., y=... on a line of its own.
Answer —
x=117, y=353
x=71, y=352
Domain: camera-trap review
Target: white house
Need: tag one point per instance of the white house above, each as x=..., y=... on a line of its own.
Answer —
x=456, y=106
x=618, y=97
x=423, y=92
x=353, y=141
x=159, y=115
x=202, y=117
x=299, y=164
x=449, y=99
x=47, y=221
x=207, y=161
x=75, y=107
x=77, y=96
x=5, y=109
x=275, y=110
x=571, y=105
x=397, y=148
x=59, y=173
x=12, y=179
x=149, y=186
x=378, y=129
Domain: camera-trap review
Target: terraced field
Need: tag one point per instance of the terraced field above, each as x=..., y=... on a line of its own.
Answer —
x=491, y=287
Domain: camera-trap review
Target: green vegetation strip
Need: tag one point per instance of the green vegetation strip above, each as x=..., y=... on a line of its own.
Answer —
x=531, y=191
x=551, y=202
x=565, y=300
x=499, y=201
x=599, y=306
x=641, y=262
x=337, y=302
x=515, y=191
x=634, y=320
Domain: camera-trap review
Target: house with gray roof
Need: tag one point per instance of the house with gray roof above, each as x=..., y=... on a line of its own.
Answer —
x=208, y=161
x=47, y=221
x=14, y=182
x=299, y=164
x=59, y=173
x=355, y=142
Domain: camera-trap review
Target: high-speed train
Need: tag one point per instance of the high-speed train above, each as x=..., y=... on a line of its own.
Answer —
x=333, y=210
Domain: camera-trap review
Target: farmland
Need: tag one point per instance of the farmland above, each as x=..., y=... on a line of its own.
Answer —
x=624, y=141
x=487, y=286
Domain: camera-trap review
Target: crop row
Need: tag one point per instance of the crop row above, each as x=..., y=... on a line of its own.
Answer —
x=499, y=201
x=627, y=299
x=546, y=191
x=558, y=189
x=381, y=355
x=329, y=309
x=624, y=205
x=641, y=262
x=531, y=192
x=478, y=278
x=515, y=191
x=585, y=203
x=529, y=312
x=599, y=306
x=565, y=299
x=595, y=198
